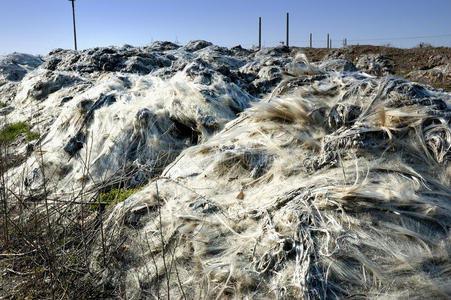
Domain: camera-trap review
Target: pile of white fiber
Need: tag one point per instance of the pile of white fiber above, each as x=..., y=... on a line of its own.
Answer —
x=335, y=186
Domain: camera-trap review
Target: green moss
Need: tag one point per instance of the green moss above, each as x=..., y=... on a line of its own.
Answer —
x=114, y=197
x=11, y=131
x=3, y=104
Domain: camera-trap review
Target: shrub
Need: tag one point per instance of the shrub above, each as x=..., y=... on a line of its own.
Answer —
x=424, y=45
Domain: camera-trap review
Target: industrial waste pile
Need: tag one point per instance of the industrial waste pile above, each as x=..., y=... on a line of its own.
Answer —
x=257, y=173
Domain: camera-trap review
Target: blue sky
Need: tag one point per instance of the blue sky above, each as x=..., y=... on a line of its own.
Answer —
x=37, y=26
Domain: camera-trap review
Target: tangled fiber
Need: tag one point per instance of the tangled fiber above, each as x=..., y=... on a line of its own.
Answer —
x=335, y=186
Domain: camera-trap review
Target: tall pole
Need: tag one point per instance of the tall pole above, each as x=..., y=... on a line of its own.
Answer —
x=310, y=40
x=259, y=33
x=328, y=41
x=73, y=17
x=288, y=29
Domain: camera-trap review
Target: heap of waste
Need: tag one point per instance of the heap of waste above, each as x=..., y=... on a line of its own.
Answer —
x=264, y=176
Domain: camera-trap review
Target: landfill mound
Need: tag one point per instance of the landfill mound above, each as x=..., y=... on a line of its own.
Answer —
x=127, y=112
x=336, y=186
x=262, y=175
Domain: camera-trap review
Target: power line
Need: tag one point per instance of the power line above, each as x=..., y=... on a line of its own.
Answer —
x=370, y=39
x=403, y=38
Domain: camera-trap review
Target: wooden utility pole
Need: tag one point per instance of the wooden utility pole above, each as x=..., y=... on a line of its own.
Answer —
x=328, y=41
x=310, y=40
x=259, y=33
x=288, y=29
x=73, y=17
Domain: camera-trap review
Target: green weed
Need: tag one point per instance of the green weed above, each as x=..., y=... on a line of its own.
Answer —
x=114, y=197
x=11, y=131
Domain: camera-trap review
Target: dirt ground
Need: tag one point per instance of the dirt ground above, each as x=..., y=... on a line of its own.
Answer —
x=420, y=60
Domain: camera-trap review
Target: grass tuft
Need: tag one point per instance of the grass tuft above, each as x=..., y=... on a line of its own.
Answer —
x=11, y=131
x=31, y=136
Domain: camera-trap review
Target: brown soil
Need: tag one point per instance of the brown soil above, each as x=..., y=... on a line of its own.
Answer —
x=405, y=60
